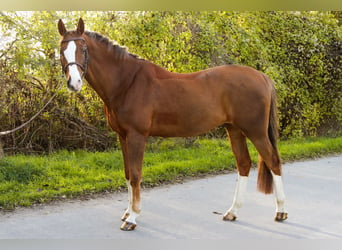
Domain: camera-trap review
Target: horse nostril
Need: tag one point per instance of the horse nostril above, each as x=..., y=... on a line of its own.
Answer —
x=72, y=88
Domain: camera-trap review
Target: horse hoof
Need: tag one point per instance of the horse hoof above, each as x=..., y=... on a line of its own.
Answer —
x=229, y=216
x=125, y=216
x=280, y=216
x=128, y=226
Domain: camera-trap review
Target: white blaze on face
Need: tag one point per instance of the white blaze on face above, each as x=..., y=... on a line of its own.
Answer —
x=75, y=82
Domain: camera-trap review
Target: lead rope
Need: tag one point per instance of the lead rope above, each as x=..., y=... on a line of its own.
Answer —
x=33, y=117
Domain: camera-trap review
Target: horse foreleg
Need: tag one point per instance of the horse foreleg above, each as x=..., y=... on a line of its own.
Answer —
x=129, y=207
x=130, y=215
x=135, y=145
x=134, y=207
x=123, y=145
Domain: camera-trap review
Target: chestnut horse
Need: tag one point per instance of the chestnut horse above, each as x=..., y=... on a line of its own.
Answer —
x=142, y=99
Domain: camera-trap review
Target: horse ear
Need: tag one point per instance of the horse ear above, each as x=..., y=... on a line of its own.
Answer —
x=61, y=27
x=80, y=26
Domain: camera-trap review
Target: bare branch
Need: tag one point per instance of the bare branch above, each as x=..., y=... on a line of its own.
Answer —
x=9, y=48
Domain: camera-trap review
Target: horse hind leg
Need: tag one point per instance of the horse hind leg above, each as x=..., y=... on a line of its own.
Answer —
x=269, y=175
x=243, y=162
x=281, y=215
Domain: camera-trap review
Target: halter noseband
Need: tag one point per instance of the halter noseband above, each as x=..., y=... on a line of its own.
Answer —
x=86, y=56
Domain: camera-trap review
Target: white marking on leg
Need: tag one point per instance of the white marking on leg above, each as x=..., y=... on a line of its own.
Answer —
x=70, y=56
x=132, y=215
x=279, y=193
x=239, y=195
x=129, y=206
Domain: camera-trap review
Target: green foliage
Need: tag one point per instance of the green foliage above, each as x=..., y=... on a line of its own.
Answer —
x=300, y=51
x=20, y=171
x=308, y=47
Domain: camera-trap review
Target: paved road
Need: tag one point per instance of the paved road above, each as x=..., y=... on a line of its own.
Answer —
x=185, y=211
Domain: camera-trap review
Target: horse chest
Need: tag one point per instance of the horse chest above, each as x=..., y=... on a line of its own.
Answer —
x=112, y=121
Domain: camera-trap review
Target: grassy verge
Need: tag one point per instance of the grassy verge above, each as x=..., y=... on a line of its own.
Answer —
x=25, y=180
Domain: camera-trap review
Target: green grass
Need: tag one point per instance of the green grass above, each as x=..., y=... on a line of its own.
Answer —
x=25, y=180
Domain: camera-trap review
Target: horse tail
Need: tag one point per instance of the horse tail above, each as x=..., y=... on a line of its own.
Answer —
x=273, y=125
x=265, y=178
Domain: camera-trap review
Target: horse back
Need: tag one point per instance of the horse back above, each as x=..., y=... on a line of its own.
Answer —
x=191, y=104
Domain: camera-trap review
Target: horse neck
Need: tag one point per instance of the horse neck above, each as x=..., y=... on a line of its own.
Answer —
x=107, y=75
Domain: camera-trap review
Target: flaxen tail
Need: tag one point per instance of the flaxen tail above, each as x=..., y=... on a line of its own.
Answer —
x=265, y=179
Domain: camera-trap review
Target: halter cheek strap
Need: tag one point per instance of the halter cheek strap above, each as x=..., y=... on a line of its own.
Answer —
x=86, y=56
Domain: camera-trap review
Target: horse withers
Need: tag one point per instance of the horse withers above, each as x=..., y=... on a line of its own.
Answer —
x=142, y=99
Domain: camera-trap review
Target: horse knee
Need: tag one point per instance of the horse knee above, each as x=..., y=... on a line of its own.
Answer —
x=134, y=180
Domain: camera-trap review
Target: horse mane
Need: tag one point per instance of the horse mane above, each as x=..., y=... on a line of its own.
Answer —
x=120, y=52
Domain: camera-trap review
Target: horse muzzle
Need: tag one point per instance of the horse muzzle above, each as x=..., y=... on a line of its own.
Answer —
x=74, y=85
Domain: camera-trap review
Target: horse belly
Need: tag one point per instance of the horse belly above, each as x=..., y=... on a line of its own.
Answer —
x=173, y=124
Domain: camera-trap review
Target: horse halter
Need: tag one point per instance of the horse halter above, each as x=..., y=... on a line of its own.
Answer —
x=86, y=55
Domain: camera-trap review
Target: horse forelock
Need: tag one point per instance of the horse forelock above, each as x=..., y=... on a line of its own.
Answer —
x=120, y=52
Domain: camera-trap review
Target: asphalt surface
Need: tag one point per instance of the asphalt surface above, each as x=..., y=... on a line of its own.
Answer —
x=190, y=210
